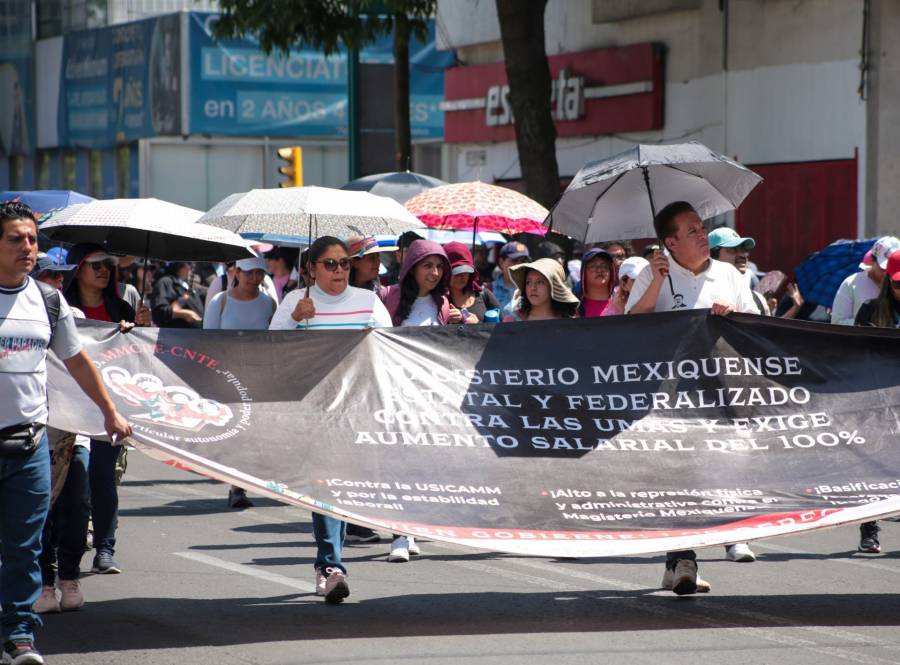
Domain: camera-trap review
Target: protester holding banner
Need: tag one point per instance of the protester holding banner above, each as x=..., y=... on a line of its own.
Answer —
x=35, y=319
x=628, y=272
x=690, y=280
x=94, y=291
x=420, y=296
x=242, y=307
x=863, y=285
x=330, y=303
x=880, y=312
x=469, y=300
x=598, y=277
x=544, y=292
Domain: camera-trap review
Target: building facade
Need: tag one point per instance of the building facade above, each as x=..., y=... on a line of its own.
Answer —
x=116, y=99
x=797, y=89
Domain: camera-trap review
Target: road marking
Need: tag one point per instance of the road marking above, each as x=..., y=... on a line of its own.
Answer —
x=247, y=570
x=865, y=563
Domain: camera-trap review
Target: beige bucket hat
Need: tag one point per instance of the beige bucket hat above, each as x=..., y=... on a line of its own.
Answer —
x=552, y=271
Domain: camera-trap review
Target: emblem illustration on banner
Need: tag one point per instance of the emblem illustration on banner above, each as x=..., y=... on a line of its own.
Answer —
x=174, y=406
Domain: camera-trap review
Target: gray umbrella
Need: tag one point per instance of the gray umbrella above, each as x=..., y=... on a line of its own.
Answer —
x=398, y=185
x=617, y=198
x=145, y=227
x=313, y=211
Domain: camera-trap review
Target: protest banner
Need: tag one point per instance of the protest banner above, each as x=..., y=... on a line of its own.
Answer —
x=620, y=435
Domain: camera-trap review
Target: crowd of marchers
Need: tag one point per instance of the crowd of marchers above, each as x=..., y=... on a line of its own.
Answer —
x=51, y=511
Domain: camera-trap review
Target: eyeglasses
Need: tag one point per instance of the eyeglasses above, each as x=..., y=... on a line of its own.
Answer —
x=331, y=264
x=106, y=263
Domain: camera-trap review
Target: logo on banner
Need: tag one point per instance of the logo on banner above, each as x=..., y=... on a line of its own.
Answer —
x=174, y=406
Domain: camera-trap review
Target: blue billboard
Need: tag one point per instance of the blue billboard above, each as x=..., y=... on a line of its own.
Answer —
x=238, y=90
x=121, y=83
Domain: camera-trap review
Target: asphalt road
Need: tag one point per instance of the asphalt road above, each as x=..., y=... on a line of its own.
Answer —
x=203, y=583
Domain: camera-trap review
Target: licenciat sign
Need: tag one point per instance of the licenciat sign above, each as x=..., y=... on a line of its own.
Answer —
x=601, y=91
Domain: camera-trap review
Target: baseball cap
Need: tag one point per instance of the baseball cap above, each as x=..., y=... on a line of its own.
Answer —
x=45, y=263
x=728, y=237
x=882, y=249
x=630, y=267
x=256, y=263
x=893, y=266
x=514, y=250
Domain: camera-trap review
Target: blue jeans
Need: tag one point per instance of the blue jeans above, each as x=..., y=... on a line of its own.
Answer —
x=329, y=534
x=66, y=529
x=25, y=499
x=104, y=494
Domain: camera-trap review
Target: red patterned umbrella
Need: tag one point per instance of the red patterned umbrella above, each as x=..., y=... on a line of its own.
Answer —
x=470, y=206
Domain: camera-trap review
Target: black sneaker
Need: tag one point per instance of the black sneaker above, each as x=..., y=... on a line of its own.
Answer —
x=21, y=651
x=361, y=534
x=105, y=564
x=868, y=538
x=237, y=498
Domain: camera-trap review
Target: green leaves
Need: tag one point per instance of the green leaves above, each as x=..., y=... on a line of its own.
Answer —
x=281, y=25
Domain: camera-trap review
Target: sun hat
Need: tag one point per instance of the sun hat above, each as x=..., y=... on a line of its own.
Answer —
x=552, y=272
x=360, y=246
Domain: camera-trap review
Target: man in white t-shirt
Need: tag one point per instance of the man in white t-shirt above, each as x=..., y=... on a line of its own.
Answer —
x=26, y=332
x=864, y=285
x=690, y=279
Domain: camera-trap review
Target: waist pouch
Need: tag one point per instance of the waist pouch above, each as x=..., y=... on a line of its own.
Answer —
x=20, y=440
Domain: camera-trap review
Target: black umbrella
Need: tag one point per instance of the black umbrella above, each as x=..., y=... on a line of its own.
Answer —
x=398, y=185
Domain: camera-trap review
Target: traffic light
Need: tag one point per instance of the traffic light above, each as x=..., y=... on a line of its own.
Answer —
x=294, y=170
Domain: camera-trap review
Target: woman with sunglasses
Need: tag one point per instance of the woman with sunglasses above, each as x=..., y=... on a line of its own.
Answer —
x=880, y=312
x=95, y=292
x=330, y=303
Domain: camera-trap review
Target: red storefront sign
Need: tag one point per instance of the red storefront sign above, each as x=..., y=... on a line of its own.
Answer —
x=602, y=91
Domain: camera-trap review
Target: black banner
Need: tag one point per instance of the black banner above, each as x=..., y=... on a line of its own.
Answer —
x=609, y=436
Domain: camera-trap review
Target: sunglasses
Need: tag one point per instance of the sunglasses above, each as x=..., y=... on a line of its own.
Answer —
x=96, y=266
x=331, y=264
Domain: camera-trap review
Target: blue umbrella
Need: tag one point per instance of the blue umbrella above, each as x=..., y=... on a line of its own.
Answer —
x=821, y=273
x=45, y=201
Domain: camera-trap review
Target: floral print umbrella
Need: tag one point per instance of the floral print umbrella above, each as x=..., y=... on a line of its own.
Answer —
x=475, y=205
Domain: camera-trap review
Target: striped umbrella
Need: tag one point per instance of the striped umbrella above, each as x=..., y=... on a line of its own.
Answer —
x=477, y=206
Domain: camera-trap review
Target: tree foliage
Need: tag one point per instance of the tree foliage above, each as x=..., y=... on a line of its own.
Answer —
x=281, y=25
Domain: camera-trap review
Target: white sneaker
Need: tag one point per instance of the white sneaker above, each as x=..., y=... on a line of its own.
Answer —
x=739, y=552
x=72, y=598
x=336, y=586
x=47, y=602
x=413, y=546
x=400, y=550
x=684, y=579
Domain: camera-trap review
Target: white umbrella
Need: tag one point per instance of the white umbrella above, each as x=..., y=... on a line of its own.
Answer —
x=271, y=214
x=617, y=198
x=145, y=227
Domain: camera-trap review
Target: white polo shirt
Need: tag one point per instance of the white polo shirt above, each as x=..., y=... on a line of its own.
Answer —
x=720, y=282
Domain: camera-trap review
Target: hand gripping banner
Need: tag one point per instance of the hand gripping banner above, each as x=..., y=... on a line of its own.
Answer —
x=621, y=435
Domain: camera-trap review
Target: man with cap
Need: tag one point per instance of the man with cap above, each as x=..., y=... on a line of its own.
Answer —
x=503, y=287
x=865, y=284
x=727, y=246
x=689, y=278
x=49, y=272
x=34, y=320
